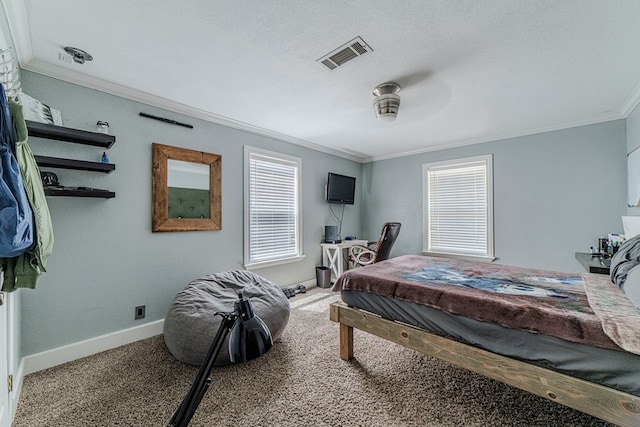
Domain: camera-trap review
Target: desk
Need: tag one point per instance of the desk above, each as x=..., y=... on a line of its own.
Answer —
x=332, y=255
x=593, y=264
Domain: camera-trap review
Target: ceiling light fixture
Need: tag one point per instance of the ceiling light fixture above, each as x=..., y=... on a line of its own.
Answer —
x=386, y=101
x=79, y=56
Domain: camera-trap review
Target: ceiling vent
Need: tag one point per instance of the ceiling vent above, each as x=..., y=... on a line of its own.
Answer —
x=345, y=53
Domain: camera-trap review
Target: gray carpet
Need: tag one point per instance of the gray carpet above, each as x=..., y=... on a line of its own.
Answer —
x=300, y=382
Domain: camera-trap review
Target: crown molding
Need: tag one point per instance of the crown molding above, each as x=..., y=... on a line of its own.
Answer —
x=632, y=101
x=62, y=73
x=568, y=125
x=16, y=13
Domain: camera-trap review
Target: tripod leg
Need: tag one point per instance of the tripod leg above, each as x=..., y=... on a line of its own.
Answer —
x=187, y=408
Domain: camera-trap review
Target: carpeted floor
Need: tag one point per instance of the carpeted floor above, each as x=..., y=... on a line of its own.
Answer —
x=300, y=382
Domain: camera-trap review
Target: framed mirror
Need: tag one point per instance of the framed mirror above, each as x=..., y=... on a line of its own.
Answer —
x=187, y=189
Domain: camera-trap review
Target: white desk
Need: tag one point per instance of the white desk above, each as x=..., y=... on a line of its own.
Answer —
x=332, y=256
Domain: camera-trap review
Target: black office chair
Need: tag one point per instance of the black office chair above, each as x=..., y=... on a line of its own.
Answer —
x=370, y=254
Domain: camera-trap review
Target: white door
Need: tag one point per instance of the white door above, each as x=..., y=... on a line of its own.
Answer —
x=5, y=411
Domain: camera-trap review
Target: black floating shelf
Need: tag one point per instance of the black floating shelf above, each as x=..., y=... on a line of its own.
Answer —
x=61, y=133
x=75, y=192
x=56, y=162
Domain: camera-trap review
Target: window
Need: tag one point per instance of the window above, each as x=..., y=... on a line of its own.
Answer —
x=271, y=208
x=458, y=207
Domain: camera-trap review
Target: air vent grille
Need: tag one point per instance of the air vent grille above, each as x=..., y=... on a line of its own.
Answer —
x=329, y=64
x=359, y=48
x=343, y=56
x=345, y=53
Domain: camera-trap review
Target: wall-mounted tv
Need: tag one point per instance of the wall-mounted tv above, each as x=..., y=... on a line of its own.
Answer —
x=340, y=189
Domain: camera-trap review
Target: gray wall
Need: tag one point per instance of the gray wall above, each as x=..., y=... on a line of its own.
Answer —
x=106, y=260
x=555, y=193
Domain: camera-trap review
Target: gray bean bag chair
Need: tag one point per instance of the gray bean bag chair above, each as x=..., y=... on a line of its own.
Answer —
x=190, y=325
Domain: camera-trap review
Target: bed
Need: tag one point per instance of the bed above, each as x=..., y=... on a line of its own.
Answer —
x=569, y=338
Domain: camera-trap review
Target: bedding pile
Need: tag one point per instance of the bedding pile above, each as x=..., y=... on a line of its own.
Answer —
x=625, y=269
x=538, y=301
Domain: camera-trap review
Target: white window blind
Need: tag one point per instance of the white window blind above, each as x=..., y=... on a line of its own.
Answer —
x=459, y=207
x=272, y=220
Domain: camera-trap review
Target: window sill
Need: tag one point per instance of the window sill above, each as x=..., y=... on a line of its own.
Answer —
x=259, y=265
x=460, y=256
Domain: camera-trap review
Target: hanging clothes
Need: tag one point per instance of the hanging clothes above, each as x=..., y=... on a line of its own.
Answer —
x=16, y=215
x=23, y=271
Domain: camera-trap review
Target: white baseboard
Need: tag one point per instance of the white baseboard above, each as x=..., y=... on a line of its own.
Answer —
x=309, y=284
x=57, y=356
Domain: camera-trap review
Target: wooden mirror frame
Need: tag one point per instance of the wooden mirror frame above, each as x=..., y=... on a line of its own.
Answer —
x=160, y=191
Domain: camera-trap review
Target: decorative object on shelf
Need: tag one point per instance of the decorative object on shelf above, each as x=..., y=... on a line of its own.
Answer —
x=49, y=179
x=180, y=174
x=165, y=120
x=102, y=127
x=104, y=158
x=36, y=111
x=387, y=101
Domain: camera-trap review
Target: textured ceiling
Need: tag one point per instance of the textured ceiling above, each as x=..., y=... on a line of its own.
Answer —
x=470, y=70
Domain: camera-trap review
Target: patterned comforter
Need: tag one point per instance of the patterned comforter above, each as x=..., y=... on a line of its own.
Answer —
x=552, y=303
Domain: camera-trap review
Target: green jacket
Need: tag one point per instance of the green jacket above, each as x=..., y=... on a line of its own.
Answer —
x=23, y=271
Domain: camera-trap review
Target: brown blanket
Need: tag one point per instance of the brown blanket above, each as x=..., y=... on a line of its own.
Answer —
x=537, y=301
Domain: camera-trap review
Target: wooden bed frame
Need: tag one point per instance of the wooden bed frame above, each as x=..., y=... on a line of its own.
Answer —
x=603, y=402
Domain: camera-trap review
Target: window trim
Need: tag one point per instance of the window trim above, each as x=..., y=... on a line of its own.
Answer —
x=488, y=160
x=248, y=152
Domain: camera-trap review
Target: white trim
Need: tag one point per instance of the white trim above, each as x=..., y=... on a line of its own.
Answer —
x=13, y=301
x=14, y=396
x=632, y=101
x=259, y=265
x=16, y=14
x=71, y=76
x=463, y=143
x=278, y=157
x=57, y=356
x=487, y=159
x=458, y=256
x=309, y=284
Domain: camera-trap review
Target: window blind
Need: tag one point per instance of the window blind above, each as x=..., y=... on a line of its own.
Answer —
x=458, y=209
x=273, y=208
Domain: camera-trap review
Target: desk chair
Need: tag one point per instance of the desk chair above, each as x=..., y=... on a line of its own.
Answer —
x=376, y=251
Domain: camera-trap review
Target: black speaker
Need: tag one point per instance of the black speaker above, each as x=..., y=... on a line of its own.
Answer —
x=331, y=234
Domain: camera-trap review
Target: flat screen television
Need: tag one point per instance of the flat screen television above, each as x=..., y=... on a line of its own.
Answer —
x=340, y=189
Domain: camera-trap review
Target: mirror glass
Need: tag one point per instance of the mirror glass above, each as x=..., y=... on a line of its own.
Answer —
x=187, y=189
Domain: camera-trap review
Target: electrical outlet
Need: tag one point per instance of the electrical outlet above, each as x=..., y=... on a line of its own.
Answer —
x=140, y=312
